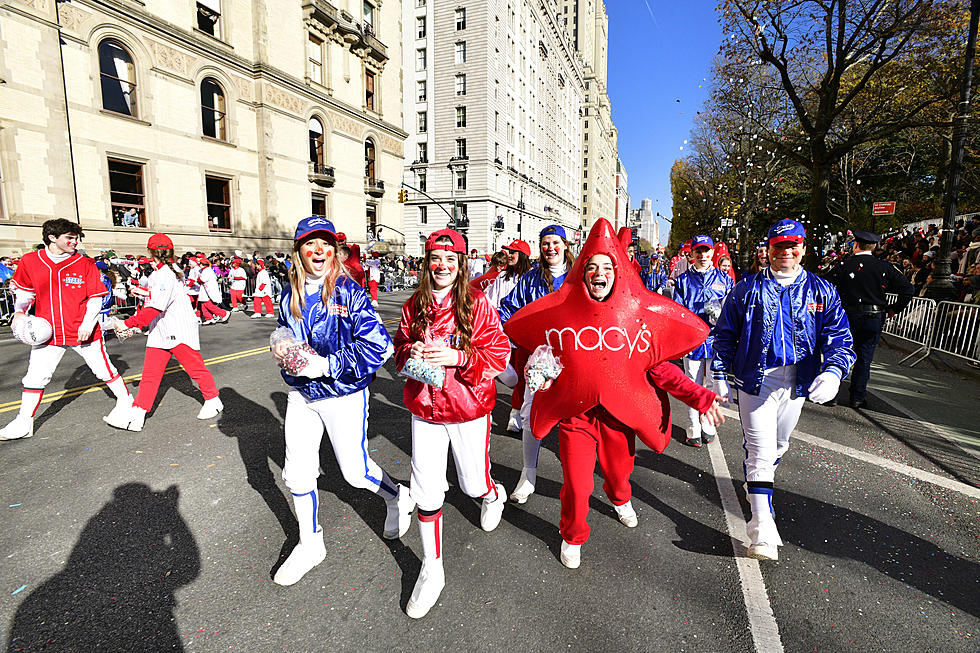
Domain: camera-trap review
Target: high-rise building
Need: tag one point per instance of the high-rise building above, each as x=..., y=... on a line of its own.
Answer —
x=491, y=107
x=622, y=209
x=649, y=227
x=221, y=122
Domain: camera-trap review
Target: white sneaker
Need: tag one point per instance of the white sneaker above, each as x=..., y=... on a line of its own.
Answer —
x=137, y=416
x=211, y=408
x=764, y=551
x=709, y=431
x=119, y=415
x=256, y=315
x=627, y=515
x=524, y=489
x=374, y=303
x=20, y=427
x=269, y=315
x=304, y=557
x=428, y=587
x=399, y=517
x=571, y=555
x=492, y=510
x=225, y=318
x=515, y=424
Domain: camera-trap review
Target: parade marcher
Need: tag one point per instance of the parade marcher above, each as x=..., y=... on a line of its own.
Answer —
x=498, y=263
x=721, y=252
x=173, y=332
x=701, y=289
x=323, y=309
x=353, y=264
x=262, y=297
x=193, y=284
x=239, y=280
x=547, y=275
x=210, y=294
x=447, y=323
x=66, y=290
x=372, y=267
x=477, y=264
x=655, y=280
x=862, y=281
x=784, y=336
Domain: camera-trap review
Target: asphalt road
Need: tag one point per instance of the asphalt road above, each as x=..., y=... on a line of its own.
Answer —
x=166, y=539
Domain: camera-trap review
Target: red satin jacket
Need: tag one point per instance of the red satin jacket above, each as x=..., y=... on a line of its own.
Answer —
x=469, y=391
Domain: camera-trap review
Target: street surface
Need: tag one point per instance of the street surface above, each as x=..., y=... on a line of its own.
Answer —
x=166, y=539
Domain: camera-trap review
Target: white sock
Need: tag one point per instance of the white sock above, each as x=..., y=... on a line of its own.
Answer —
x=531, y=448
x=306, y=509
x=430, y=529
x=118, y=388
x=29, y=401
x=387, y=488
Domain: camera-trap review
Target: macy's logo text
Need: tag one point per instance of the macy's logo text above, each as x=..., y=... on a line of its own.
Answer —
x=592, y=338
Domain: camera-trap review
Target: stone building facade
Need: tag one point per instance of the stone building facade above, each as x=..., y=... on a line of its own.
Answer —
x=219, y=122
x=492, y=95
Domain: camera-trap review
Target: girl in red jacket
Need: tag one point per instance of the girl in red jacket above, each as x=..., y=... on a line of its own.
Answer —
x=449, y=324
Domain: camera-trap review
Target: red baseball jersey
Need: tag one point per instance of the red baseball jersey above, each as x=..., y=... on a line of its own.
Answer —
x=61, y=291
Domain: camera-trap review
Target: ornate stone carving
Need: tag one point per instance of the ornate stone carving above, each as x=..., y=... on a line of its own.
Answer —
x=346, y=125
x=39, y=5
x=283, y=100
x=391, y=145
x=167, y=57
x=72, y=17
x=244, y=88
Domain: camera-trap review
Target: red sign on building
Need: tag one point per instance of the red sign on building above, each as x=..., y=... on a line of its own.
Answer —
x=883, y=208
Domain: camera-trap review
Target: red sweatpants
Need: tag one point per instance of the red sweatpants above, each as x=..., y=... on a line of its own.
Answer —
x=580, y=440
x=154, y=364
x=209, y=310
x=262, y=305
x=373, y=287
x=236, y=297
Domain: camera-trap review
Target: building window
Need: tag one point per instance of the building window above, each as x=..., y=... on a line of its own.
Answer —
x=419, y=3
x=460, y=180
x=461, y=148
x=460, y=116
x=126, y=191
x=496, y=120
x=460, y=52
x=421, y=87
x=369, y=90
x=219, y=203
x=316, y=142
x=461, y=84
x=314, y=47
x=318, y=205
x=118, y=78
x=460, y=18
x=423, y=215
x=420, y=27
x=213, y=110
x=422, y=121
x=209, y=17
x=420, y=59
x=369, y=156
x=423, y=152
x=585, y=186
x=368, y=15
x=421, y=178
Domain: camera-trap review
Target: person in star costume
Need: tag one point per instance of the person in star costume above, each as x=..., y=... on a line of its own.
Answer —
x=604, y=318
x=448, y=323
x=545, y=277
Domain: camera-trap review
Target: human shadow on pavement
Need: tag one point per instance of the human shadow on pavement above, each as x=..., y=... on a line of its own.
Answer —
x=116, y=592
x=80, y=378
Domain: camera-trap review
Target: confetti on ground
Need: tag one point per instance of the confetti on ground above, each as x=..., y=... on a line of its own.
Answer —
x=139, y=452
x=175, y=464
x=18, y=590
x=13, y=505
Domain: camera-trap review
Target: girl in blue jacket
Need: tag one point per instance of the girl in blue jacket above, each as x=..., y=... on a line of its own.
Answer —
x=323, y=308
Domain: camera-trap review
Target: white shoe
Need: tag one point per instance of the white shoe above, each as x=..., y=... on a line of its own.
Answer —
x=20, y=427
x=269, y=315
x=764, y=551
x=120, y=414
x=137, y=416
x=515, y=424
x=256, y=315
x=524, y=489
x=571, y=555
x=428, y=587
x=211, y=408
x=374, y=303
x=399, y=517
x=627, y=515
x=225, y=318
x=492, y=510
x=304, y=557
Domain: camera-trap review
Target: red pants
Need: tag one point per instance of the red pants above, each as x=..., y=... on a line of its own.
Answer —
x=373, y=286
x=580, y=440
x=209, y=310
x=154, y=364
x=236, y=297
x=262, y=305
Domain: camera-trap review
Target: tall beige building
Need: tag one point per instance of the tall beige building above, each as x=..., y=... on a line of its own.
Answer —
x=587, y=24
x=219, y=122
x=493, y=90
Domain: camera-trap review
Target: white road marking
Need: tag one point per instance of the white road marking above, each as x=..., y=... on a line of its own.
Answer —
x=762, y=621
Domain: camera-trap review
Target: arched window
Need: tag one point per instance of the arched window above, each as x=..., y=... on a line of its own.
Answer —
x=213, y=110
x=316, y=142
x=118, y=78
x=369, y=159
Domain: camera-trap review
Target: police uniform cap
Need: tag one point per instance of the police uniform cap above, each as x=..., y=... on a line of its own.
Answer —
x=866, y=237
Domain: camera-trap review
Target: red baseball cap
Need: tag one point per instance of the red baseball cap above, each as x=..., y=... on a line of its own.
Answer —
x=519, y=246
x=341, y=237
x=160, y=241
x=458, y=244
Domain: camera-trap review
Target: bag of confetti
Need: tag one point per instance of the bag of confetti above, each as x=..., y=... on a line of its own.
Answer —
x=418, y=369
x=125, y=334
x=712, y=310
x=542, y=365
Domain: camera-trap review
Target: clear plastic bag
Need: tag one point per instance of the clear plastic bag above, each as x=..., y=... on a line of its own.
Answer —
x=712, y=311
x=542, y=365
x=125, y=334
x=418, y=369
x=298, y=354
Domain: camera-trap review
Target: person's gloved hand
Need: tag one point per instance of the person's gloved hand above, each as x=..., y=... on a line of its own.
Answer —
x=824, y=388
x=302, y=360
x=721, y=387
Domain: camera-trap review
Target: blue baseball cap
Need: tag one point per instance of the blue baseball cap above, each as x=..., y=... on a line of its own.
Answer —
x=313, y=224
x=702, y=241
x=786, y=230
x=553, y=230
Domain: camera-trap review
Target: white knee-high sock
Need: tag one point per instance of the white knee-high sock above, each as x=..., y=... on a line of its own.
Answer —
x=430, y=528
x=118, y=388
x=30, y=399
x=531, y=448
x=306, y=509
x=387, y=488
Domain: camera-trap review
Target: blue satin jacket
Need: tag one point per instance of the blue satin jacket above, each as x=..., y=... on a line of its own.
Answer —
x=820, y=335
x=530, y=287
x=347, y=332
x=655, y=281
x=693, y=290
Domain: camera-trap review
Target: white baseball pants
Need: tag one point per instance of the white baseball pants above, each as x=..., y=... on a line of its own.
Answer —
x=44, y=360
x=471, y=452
x=345, y=419
x=767, y=422
x=696, y=370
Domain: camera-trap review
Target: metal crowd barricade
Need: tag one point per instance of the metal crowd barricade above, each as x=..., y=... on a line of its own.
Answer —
x=6, y=304
x=914, y=324
x=957, y=330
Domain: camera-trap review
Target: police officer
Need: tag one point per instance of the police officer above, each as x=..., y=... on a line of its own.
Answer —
x=862, y=281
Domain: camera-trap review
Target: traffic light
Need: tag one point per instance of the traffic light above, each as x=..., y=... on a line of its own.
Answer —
x=402, y=196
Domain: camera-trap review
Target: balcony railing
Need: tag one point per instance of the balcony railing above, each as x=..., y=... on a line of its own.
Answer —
x=374, y=187
x=498, y=225
x=356, y=34
x=322, y=174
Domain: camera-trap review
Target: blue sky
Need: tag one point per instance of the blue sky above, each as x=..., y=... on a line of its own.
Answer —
x=660, y=51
